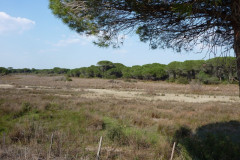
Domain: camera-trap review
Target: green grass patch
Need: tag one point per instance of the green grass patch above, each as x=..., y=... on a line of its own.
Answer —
x=125, y=134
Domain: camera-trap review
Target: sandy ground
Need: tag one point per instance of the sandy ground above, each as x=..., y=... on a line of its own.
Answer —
x=5, y=86
x=135, y=94
x=161, y=96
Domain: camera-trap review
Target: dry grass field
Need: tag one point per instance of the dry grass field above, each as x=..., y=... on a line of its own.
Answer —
x=139, y=120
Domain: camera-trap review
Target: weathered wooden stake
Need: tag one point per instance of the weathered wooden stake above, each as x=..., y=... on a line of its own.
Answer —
x=174, y=144
x=49, y=154
x=25, y=153
x=99, y=149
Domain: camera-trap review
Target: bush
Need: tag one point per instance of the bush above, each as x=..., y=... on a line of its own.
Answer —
x=182, y=80
x=213, y=80
x=116, y=134
x=68, y=78
x=203, y=77
x=26, y=107
x=207, y=79
x=225, y=82
x=171, y=80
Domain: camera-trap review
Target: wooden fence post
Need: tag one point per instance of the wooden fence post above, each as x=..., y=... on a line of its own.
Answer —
x=99, y=149
x=174, y=144
x=25, y=153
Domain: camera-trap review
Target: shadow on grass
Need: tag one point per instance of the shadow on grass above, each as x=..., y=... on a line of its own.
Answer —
x=216, y=141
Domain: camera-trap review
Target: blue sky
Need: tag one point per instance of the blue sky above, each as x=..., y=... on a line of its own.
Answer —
x=31, y=37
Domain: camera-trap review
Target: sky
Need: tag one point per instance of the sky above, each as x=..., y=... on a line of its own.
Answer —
x=32, y=37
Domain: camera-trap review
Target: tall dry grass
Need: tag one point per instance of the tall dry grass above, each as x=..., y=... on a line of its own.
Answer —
x=132, y=128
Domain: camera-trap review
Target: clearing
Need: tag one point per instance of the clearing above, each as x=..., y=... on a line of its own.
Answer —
x=137, y=119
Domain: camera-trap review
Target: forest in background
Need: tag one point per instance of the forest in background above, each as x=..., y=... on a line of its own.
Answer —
x=212, y=71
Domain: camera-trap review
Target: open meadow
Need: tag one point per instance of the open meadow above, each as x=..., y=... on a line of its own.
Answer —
x=47, y=117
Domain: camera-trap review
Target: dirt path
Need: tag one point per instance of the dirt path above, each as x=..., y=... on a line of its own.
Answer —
x=161, y=96
x=5, y=86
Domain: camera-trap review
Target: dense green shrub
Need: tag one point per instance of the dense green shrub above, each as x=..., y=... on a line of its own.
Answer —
x=213, y=80
x=207, y=79
x=203, y=77
x=116, y=134
x=3, y=71
x=182, y=80
x=171, y=80
x=113, y=73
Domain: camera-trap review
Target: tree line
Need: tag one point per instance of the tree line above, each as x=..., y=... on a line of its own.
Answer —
x=212, y=71
x=55, y=70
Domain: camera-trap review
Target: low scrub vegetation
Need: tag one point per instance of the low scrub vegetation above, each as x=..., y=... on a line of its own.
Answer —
x=64, y=120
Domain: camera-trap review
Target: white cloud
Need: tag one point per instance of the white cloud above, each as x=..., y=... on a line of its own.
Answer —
x=9, y=24
x=68, y=41
x=75, y=39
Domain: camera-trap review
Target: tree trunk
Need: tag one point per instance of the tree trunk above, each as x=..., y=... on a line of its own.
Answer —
x=193, y=74
x=189, y=75
x=236, y=26
x=237, y=53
